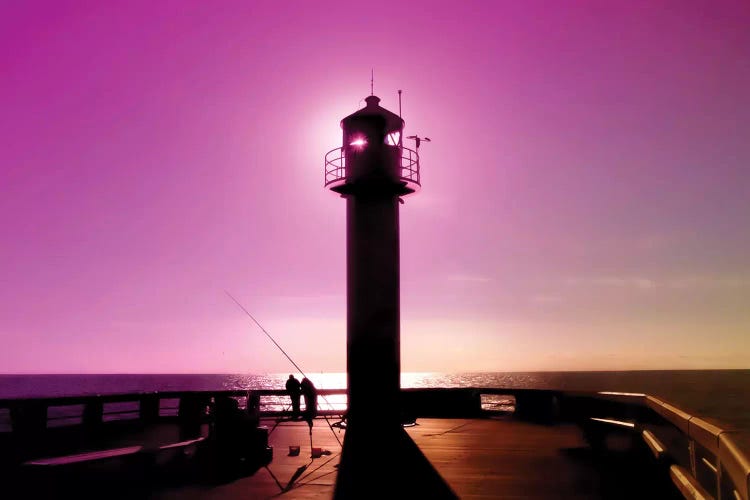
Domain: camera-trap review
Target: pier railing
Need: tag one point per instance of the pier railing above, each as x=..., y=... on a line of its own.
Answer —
x=704, y=458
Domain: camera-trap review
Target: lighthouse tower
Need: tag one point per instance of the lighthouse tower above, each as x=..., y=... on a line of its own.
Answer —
x=372, y=171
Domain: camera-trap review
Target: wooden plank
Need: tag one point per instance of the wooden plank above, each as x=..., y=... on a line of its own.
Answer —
x=687, y=484
x=611, y=421
x=183, y=444
x=654, y=444
x=705, y=433
x=736, y=464
x=677, y=417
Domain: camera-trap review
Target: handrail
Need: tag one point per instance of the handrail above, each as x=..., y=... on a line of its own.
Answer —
x=335, y=167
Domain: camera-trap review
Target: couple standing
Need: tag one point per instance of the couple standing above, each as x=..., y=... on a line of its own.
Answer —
x=295, y=388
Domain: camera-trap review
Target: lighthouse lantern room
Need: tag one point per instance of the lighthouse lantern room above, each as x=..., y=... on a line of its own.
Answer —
x=372, y=154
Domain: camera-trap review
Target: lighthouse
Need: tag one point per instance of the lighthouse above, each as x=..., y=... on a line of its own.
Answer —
x=373, y=172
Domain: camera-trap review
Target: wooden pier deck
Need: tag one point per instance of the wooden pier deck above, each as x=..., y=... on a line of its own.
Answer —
x=479, y=458
x=635, y=446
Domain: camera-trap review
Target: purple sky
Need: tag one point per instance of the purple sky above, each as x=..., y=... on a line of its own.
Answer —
x=585, y=201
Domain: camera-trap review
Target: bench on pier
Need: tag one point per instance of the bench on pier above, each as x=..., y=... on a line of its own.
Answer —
x=82, y=458
x=682, y=478
x=600, y=426
x=128, y=452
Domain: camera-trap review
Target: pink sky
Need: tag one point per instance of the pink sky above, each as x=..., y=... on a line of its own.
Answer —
x=585, y=201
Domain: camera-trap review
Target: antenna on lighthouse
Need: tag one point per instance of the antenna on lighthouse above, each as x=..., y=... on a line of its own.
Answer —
x=372, y=81
x=400, y=136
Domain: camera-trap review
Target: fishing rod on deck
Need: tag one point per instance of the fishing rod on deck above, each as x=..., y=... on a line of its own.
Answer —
x=290, y=360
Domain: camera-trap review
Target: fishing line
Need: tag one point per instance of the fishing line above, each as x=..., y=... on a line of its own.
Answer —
x=290, y=360
x=313, y=471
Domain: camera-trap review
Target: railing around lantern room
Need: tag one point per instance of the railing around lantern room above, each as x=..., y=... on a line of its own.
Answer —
x=335, y=167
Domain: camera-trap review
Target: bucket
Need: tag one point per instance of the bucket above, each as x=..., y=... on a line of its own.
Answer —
x=293, y=451
x=317, y=452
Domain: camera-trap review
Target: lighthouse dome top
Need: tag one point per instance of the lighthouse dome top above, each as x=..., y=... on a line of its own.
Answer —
x=373, y=109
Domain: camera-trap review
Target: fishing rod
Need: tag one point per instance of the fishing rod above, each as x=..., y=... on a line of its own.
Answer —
x=290, y=360
x=267, y=334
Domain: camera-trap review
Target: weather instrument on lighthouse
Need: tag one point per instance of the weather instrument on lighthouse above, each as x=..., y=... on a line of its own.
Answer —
x=418, y=140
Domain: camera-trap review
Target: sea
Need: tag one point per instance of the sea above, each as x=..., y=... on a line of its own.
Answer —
x=723, y=395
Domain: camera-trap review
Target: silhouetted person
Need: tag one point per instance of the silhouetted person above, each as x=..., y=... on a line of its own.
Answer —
x=310, y=393
x=294, y=390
